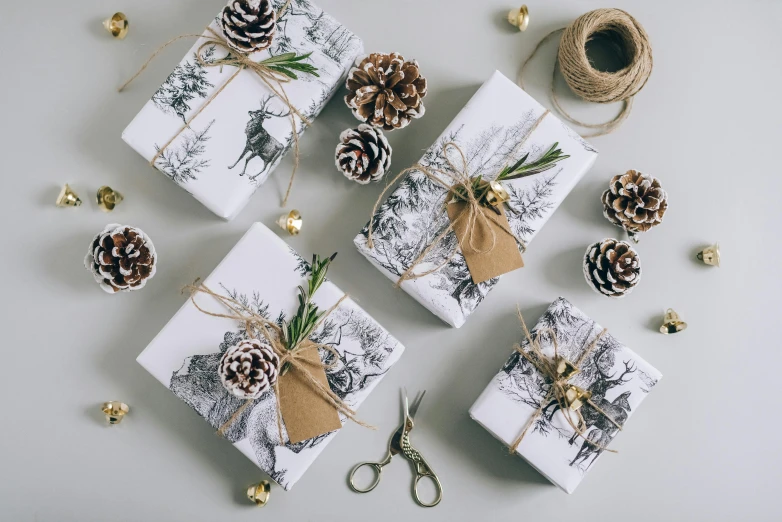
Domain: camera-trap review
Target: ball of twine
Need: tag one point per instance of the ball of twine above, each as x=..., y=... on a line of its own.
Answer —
x=627, y=37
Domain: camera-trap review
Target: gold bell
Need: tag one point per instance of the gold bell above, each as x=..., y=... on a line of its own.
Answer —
x=496, y=195
x=259, y=493
x=672, y=323
x=291, y=222
x=117, y=25
x=576, y=397
x=108, y=198
x=519, y=17
x=114, y=411
x=67, y=197
x=566, y=369
x=710, y=255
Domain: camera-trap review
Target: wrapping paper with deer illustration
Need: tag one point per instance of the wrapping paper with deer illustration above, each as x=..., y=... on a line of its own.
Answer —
x=263, y=272
x=234, y=143
x=488, y=130
x=617, y=378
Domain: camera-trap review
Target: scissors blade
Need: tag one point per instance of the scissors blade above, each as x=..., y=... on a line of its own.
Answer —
x=416, y=404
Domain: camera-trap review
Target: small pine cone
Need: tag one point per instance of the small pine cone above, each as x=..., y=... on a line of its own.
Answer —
x=121, y=258
x=612, y=267
x=249, y=368
x=363, y=154
x=635, y=202
x=248, y=25
x=386, y=91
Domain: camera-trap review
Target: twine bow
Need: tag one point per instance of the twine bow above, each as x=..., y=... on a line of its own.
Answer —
x=475, y=192
x=273, y=79
x=559, y=370
x=293, y=357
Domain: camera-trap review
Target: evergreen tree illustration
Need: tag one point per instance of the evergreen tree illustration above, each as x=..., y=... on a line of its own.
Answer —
x=182, y=162
x=188, y=81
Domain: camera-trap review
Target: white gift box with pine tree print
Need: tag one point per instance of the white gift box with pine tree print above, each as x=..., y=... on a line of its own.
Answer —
x=488, y=129
x=618, y=379
x=263, y=273
x=231, y=147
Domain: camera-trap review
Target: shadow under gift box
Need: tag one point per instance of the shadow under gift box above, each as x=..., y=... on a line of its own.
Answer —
x=488, y=129
x=615, y=375
x=231, y=147
x=263, y=273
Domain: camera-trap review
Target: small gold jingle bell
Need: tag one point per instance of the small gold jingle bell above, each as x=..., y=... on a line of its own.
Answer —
x=115, y=411
x=108, y=198
x=566, y=369
x=117, y=25
x=67, y=198
x=710, y=255
x=672, y=323
x=496, y=195
x=291, y=222
x=259, y=493
x=519, y=17
x=576, y=397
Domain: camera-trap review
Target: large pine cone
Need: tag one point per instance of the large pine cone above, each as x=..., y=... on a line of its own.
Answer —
x=363, y=154
x=248, y=25
x=386, y=91
x=635, y=202
x=249, y=368
x=121, y=258
x=612, y=267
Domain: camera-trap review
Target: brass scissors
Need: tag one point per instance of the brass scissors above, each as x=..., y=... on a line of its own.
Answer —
x=400, y=443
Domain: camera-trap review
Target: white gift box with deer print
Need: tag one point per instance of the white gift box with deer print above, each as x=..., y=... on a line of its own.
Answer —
x=488, y=129
x=232, y=145
x=617, y=378
x=263, y=272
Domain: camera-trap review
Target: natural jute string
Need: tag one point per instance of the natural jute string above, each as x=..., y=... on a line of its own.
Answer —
x=460, y=177
x=272, y=79
x=630, y=40
x=258, y=326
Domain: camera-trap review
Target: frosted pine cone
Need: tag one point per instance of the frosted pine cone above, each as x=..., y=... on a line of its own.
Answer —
x=249, y=368
x=363, y=154
x=248, y=25
x=121, y=258
x=386, y=91
x=635, y=202
x=612, y=267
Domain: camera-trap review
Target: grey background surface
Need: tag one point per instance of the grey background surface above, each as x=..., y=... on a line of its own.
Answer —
x=705, y=444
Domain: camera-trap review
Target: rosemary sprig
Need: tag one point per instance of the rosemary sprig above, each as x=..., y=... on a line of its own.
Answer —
x=307, y=316
x=286, y=63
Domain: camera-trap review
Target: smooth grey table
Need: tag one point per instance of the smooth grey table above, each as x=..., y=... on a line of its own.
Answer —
x=704, y=446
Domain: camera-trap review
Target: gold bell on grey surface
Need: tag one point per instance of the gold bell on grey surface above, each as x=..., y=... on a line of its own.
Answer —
x=117, y=25
x=291, y=222
x=259, y=493
x=496, y=195
x=519, y=17
x=108, y=198
x=114, y=411
x=67, y=197
x=672, y=323
x=710, y=255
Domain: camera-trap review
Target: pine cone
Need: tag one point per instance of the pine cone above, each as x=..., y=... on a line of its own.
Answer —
x=612, y=267
x=635, y=202
x=363, y=154
x=248, y=25
x=386, y=91
x=249, y=368
x=121, y=258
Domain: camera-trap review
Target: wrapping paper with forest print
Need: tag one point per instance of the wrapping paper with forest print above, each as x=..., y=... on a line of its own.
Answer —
x=617, y=377
x=209, y=159
x=488, y=129
x=263, y=272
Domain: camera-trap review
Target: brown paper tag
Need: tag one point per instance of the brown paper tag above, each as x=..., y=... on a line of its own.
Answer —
x=304, y=411
x=485, y=264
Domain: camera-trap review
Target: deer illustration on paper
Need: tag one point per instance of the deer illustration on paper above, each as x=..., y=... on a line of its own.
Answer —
x=604, y=429
x=261, y=144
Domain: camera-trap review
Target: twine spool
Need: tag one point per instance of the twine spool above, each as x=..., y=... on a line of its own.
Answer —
x=631, y=43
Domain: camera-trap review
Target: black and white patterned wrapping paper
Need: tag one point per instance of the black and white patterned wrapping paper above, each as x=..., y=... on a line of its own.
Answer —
x=206, y=159
x=618, y=378
x=263, y=272
x=488, y=130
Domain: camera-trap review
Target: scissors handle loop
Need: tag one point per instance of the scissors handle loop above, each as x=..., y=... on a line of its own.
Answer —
x=377, y=468
x=437, y=486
